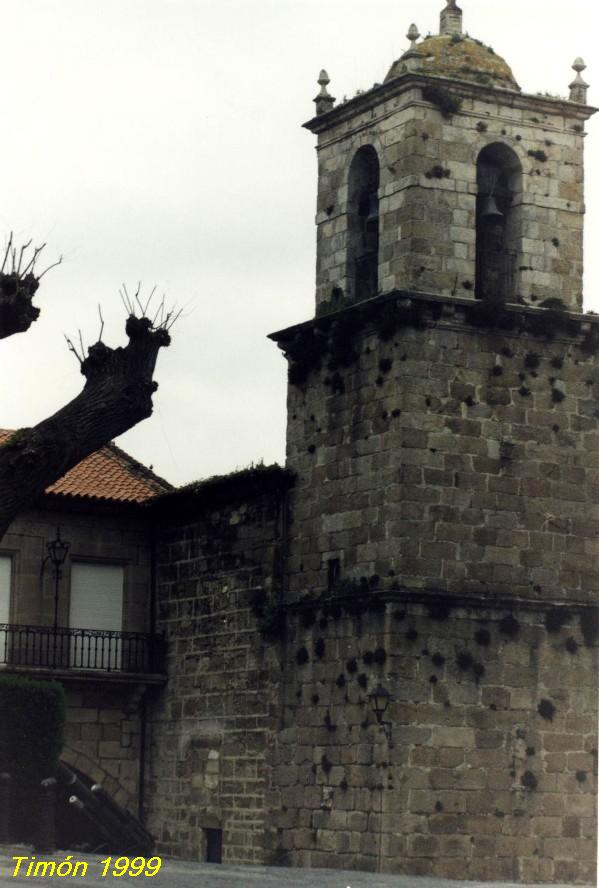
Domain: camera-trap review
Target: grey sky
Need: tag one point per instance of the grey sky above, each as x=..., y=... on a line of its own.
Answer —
x=161, y=140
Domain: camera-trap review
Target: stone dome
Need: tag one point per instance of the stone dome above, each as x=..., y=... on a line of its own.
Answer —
x=458, y=57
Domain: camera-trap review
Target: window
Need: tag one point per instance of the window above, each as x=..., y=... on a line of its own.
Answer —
x=498, y=222
x=5, y=575
x=5, y=578
x=363, y=224
x=96, y=604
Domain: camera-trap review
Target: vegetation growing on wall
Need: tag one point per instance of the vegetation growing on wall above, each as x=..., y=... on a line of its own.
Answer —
x=447, y=103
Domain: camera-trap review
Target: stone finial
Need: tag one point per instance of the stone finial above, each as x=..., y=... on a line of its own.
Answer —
x=324, y=101
x=413, y=35
x=451, y=19
x=578, y=87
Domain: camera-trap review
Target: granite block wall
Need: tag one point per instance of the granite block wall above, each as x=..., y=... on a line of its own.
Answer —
x=438, y=453
x=219, y=584
x=442, y=545
x=486, y=768
x=438, y=549
x=103, y=734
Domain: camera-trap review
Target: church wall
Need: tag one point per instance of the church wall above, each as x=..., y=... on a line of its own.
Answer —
x=445, y=504
x=218, y=583
x=488, y=769
x=447, y=456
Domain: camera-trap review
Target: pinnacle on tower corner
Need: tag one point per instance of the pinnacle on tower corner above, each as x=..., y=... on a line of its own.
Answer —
x=451, y=20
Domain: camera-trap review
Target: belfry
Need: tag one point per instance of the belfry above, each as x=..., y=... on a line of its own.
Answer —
x=448, y=179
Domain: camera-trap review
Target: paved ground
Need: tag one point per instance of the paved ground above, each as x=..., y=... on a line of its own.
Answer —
x=183, y=874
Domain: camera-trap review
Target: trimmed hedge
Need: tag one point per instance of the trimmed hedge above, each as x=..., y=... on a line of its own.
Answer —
x=32, y=720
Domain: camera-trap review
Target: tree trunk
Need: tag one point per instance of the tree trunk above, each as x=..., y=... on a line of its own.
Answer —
x=117, y=394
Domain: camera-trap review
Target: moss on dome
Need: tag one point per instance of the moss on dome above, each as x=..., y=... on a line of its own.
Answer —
x=462, y=58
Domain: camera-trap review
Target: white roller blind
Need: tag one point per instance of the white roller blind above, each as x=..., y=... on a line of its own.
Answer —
x=96, y=596
x=5, y=572
x=96, y=603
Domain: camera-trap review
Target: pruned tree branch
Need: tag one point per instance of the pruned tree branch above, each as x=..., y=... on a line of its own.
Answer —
x=18, y=286
x=117, y=394
x=17, y=312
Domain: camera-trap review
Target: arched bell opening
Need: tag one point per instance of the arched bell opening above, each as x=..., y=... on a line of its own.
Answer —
x=498, y=223
x=363, y=224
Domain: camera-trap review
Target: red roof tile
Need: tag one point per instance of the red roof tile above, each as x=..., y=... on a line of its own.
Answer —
x=109, y=474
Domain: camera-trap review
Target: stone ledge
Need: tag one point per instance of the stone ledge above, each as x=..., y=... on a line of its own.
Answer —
x=380, y=93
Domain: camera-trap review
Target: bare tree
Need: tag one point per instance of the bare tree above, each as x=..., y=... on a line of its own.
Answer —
x=116, y=395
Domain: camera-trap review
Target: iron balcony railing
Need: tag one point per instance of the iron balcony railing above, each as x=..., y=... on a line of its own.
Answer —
x=44, y=647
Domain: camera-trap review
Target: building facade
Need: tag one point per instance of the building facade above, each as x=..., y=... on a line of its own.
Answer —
x=91, y=627
x=385, y=657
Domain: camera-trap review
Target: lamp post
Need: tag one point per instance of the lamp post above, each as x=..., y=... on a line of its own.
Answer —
x=57, y=553
x=379, y=703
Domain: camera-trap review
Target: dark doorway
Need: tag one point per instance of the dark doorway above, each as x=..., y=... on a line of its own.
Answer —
x=214, y=845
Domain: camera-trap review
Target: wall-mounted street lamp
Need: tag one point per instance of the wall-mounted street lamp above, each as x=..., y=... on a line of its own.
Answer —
x=379, y=703
x=57, y=553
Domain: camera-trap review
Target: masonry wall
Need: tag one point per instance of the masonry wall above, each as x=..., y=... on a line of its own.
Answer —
x=442, y=543
x=449, y=456
x=103, y=735
x=428, y=189
x=219, y=580
x=487, y=770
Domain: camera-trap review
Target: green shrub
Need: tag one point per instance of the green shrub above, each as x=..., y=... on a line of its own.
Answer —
x=31, y=740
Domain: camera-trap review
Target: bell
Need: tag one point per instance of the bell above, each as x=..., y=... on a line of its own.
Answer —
x=491, y=209
x=373, y=213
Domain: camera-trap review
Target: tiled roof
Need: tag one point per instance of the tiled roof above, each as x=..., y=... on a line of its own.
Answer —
x=109, y=475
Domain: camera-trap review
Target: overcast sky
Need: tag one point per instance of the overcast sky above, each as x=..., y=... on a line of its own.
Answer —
x=161, y=141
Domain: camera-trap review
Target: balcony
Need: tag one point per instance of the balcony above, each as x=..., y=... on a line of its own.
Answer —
x=87, y=652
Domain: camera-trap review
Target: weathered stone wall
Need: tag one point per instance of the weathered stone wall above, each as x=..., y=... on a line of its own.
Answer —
x=102, y=736
x=428, y=188
x=451, y=457
x=219, y=580
x=489, y=770
x=446, y=491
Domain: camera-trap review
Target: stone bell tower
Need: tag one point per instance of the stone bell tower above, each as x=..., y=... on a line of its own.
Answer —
x=441, y=573
x=447, y=179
